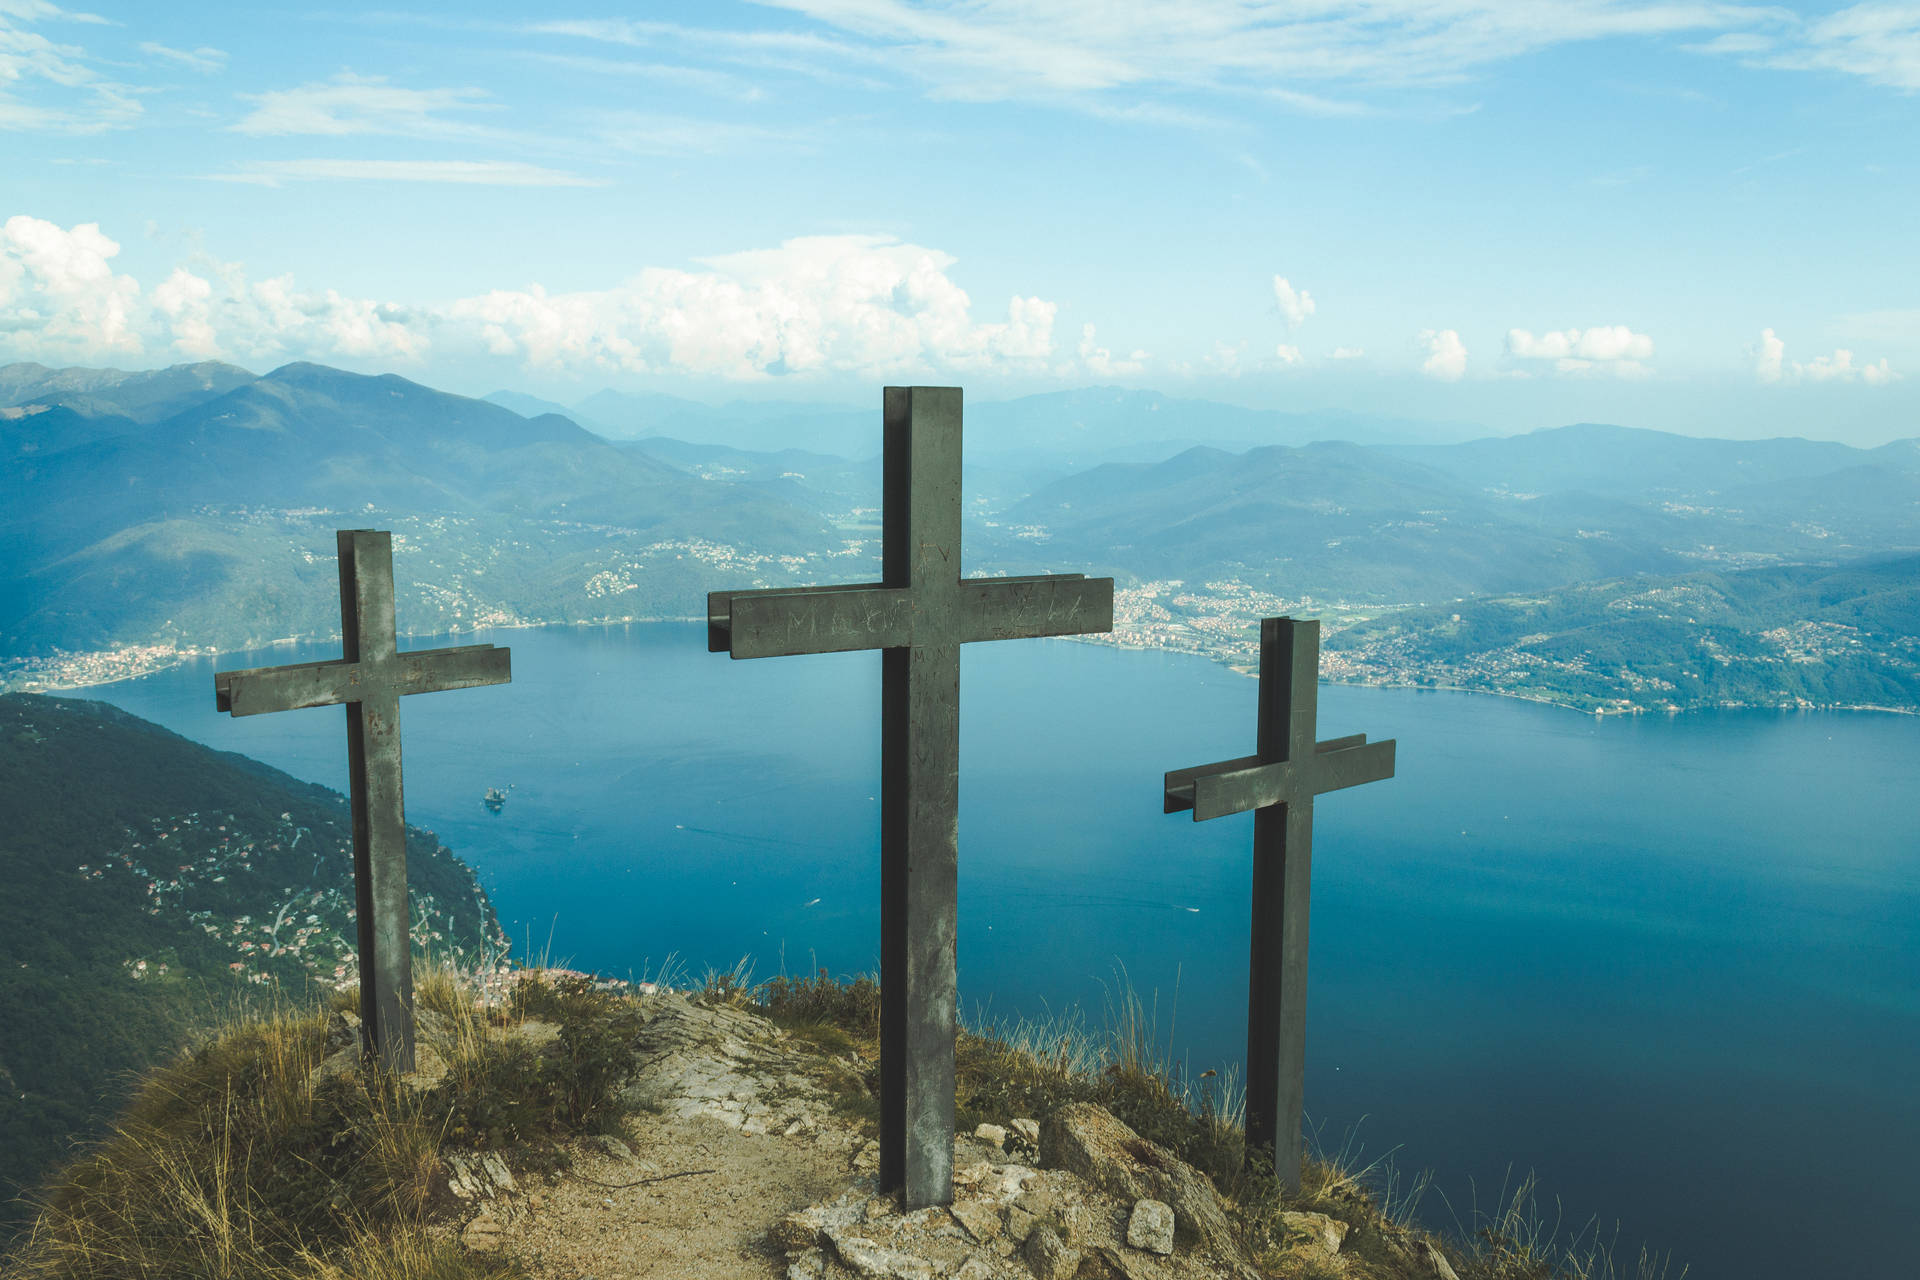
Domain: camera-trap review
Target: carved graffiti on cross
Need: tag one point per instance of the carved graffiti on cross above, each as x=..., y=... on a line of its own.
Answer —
x=370, y=679
x=1278, y=784
x=918, y=615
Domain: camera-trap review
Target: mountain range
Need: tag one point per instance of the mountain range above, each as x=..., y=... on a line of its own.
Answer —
x=194, y=507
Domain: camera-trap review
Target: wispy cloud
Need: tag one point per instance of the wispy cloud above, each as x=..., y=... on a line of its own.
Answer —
x=491, y=173
x=1878, y=42
x=355, y=104
x=205, y=60
x=53, y=86
x=995, y=49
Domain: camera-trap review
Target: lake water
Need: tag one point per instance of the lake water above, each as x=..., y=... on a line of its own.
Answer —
x=1671, y=965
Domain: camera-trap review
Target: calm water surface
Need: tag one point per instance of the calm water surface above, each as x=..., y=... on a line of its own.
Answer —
x=1672, y=965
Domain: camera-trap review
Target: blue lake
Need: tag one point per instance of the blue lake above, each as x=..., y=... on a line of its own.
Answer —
x=1671, y=965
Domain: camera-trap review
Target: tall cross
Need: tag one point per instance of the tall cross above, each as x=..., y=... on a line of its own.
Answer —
x=918, y=615
x=370, y=679
x=1279, y=784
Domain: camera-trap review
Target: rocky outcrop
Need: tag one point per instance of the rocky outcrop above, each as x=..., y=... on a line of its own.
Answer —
x=1015, y=1221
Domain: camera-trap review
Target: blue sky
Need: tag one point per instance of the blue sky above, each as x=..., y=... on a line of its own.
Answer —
x=1697, y=217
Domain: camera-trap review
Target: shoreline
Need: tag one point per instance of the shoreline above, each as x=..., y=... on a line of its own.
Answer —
x=18, y=675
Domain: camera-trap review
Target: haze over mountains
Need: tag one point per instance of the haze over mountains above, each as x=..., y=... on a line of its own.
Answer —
x=195, y=506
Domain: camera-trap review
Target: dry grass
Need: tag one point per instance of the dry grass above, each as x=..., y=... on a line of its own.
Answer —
x=237, y=1160
x=1029, y=1067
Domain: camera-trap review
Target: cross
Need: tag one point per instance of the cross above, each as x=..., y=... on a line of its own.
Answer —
x=1279, y=784
x=918, y=615
x=369, y=679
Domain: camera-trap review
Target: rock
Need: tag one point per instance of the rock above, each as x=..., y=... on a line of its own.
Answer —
x=872, y=1260
x=811, y=1265
x=1020, y=1223
x=483, y=1234
x=613, y=1147
x=343, y=1031
x=971, y=1174
x=1050, y=1257
x=1086, y=1139
x=1316, y=1228
x=981, y=1222
x=992, y=1134
x=976, y=1267
x=1442, y=1270
x=807, y=1228
x=1150, y=1226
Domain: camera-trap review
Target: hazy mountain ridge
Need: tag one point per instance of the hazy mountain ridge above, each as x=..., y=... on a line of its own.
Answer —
x=204, y=528
x=213, y=527
x=151, y=882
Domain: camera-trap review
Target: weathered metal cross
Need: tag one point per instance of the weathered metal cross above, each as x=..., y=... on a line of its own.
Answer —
x=919, y=615
x=370, y=679
x=1279, y=784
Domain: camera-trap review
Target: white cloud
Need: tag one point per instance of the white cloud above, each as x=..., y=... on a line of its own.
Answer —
x=1286, y=354
x=53, y=86
x=59, y=292
x=493, y=173
x=1613, y=349
x=354, y=104
x=1100, y=362
x=1769, y=357
x=1295, y=305
x=997, y=49
x=1446, y=354
x=869, y=305
x=1771, y=365
x=1348, y=353
x=1878, y=42
x=204, y=59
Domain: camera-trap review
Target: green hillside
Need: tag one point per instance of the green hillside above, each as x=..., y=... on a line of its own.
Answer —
x=153, y=883
x=1793, y=636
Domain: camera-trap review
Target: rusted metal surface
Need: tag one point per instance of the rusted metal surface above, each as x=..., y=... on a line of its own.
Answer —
x=370, y=679
x=919, y=615
x=1278, y=784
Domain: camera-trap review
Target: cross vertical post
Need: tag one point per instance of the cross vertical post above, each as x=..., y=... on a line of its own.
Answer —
x=1279, y=784
x=369, y=679
x=918, y=615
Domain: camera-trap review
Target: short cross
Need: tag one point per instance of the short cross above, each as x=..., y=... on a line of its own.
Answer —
x=918, y=615
x=1279, y=784
x=370, y=679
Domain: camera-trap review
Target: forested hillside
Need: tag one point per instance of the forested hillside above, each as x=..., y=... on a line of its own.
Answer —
x=150, y=883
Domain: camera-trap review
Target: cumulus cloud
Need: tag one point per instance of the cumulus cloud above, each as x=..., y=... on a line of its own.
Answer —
x=1100, y=362
x=1613, y=349
x=1446, y=354
x=1348, y=353
x=1769, y=357
x=1771, y=365
x=845, y=304
x=58, y=290
x=1286, y=354
x=1295, y=304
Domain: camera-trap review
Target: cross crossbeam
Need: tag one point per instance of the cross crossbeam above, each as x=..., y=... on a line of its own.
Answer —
x=1278, y=785
x=918, y=615
x=370, y=679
